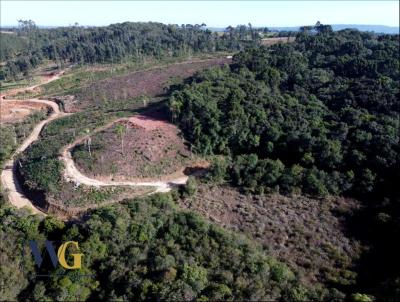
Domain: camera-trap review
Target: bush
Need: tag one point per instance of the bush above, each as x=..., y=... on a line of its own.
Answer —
x=190, y=188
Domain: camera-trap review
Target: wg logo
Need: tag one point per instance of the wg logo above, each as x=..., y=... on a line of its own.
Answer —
x=59, y=257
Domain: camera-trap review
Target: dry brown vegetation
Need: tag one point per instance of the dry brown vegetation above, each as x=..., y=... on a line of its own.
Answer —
x=277, y=40
x=308, y=234
x=148, y=83
x=147, y=147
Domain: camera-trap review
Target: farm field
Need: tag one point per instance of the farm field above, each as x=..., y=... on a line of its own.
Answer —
x=277, y=40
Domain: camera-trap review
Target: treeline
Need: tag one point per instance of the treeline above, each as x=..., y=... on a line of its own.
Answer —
x=144, y=250
x=320, y=116
x=110, y=44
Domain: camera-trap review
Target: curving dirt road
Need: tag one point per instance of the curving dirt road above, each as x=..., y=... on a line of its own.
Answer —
x=8, y=175
x=44, y=80
x=71, y=172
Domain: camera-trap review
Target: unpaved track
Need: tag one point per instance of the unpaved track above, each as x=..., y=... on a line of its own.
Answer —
x=8, y=175
x=71, y=172
x=45, y=80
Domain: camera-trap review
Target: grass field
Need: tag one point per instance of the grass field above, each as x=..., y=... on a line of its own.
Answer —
x=277, y=40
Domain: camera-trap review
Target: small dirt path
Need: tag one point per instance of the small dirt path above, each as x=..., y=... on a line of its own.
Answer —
x=8, y=175
x=44, y=80
x=9, y=179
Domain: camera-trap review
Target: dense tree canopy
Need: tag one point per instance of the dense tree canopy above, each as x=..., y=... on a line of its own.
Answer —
x=320, y=115
x=116, y=42
x=144, y=250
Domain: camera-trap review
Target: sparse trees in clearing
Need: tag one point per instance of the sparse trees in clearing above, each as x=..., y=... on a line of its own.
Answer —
x=117, y=42
x=88, y=142
x=120, y=131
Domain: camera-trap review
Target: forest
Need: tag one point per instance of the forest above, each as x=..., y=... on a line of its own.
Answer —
x=31, y=45
x=319, y=117
x=142, y=250
x=298, y=118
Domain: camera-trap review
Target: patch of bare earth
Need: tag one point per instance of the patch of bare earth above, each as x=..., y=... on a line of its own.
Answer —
x=277, y=40
x=308, y=234
x=147, y=148
x=16, y=111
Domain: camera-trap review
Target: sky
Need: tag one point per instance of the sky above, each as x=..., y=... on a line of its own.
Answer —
x=212, y=13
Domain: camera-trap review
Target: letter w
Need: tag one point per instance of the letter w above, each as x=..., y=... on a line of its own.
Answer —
x=37, y=255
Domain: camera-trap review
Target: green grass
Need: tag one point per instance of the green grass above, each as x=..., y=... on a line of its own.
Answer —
x=11, y=135
x=5, y=86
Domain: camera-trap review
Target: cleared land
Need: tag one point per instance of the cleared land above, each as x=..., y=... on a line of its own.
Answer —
x=9, y=179
x=309, y=234
x=149, y=83
x=31, y=86
x=14, y=111
x=148, y=148
x=277, y=40
x=52, y=181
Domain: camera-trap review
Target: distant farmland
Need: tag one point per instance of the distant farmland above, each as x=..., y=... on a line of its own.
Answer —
x=277, y=40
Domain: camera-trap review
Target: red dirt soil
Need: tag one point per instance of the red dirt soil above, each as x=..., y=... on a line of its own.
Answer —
x=15, y=111
x=149, y=123
x=153, y=149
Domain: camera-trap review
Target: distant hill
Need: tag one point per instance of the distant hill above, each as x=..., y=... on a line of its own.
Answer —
x=375, y=28
x=372, y=28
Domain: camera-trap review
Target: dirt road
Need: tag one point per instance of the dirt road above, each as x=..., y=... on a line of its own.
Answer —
x=45, y=80
x=8, y=175
x=71, y=172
